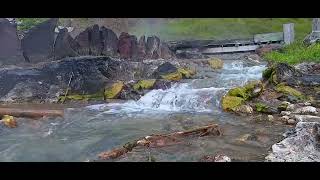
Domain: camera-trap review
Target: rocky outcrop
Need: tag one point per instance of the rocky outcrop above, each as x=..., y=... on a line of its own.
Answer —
x=142, y=47
x=110, y=42
x=303, y=145
x=10, y=46
x=63, y=45
x=153, y=47
x=128, y=46
x=38, y=43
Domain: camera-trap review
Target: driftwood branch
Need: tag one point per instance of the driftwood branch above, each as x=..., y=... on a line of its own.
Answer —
x=16, y=112
x=161, y=140
x=68, y=87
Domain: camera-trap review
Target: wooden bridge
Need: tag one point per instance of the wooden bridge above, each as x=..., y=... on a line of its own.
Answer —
x=235, y=45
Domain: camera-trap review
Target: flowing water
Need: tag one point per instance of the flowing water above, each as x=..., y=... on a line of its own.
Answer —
x=85, y=132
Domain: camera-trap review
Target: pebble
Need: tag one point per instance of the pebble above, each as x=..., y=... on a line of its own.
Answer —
x=270, y=118
x=285, y=113
x=290, y=107
x=291, y=121
x=284, y=118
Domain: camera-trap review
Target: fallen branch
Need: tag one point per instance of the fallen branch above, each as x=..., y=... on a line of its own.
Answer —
x=161, y=140
x=68, y=87
x=30, y=113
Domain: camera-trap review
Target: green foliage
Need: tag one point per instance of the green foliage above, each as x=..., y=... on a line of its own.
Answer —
x=28, y=23
x=261, y=107
x=289, y=91
x=296, y=53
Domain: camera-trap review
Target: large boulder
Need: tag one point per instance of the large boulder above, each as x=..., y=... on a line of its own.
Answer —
x=303, y=145
x=165, y=52
x=82, y=43
x=63, y=45
x=153, y=47
x=128, y=46
x=110, y=42
x=142, y=47
x=10, y=46
x=38, y=43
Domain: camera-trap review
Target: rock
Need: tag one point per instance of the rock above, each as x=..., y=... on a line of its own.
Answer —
x=284, y=118
x=243, y=109
x=245, y=137
x=270, y=118
x=263, y=108
x=9, y=121
x=110, y=42
x=215, y=63
x=301, y=146
x=306, y=110
x=291, y=121
x=81, y=42
x=142, y=47
x=250, y=90
x=10, y=46
x=283, y=105
x=46, y=83
x=144, y=84
x=267, y=48
x=162, y=84
x=253, y=59
x=95, y=41
x=113, y=91
x=165, y=52
x=283, y=73
x=153, y=50
x=285, y=113
x=38, y=43
x=63, y=45
x=167, y=71
x=128, y=46
x=289, y=91
x=216, y=158
x=291, y=107
x=229, y=103
x=307, y=118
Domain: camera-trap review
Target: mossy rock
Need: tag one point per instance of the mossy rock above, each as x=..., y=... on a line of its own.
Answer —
x=113, y=91
x=186, y=73
x=229, y=103
x=215, y=63
x=144, y=84
x=260, y=107
x=81, y=97
x=175, y=76
x=287, y=90
x=238, y=92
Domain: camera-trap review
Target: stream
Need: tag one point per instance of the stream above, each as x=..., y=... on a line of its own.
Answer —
x=84, y=132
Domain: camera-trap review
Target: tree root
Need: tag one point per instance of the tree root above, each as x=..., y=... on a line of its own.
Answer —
x=161, y=140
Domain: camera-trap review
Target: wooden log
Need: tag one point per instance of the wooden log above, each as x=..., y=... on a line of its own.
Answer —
x=161, y=140
x=230, y=49
x=30, y=113
x=288, y=33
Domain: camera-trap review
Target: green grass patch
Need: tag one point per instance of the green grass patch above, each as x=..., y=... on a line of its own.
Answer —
x=220, y=28
x=28, y=23
x=295, y=53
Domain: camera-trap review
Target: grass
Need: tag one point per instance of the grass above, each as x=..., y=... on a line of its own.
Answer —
x=219, y=28
x=296, y=53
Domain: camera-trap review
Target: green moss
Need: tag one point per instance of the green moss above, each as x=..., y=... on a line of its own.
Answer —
x=186, y=73
x=175, y=76
x=81, y=97
x=113, y=91
x=238, y=92
x=215, y=63
x=229, y=103
x=260, y=107
x=28, y=23
x=144, y=84
x=289, y=91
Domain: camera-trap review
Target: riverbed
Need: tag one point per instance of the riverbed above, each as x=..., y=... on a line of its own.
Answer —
x=86, y=130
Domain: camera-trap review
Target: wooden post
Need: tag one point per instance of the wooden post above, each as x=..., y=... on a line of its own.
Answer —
x=288, y=33
x=316, y=27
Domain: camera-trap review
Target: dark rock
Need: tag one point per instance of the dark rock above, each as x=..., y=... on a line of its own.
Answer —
x=153, y=47
x=128, y=46
x=38, y=43
x=285, y=72
x=10, y=46
x=142, y=47
x=267, y=48
x=300, y=146
x=110, y=42
x=163, y=69
x=63, y=45
x=162, y=84
x=96, y=42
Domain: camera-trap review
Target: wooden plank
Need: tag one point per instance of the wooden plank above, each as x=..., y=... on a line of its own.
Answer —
x=288, y=33
x=278, y=36
x=229, y=49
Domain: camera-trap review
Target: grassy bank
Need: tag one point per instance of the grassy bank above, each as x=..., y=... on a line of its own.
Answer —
x=219, y=28
x=296, y=53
